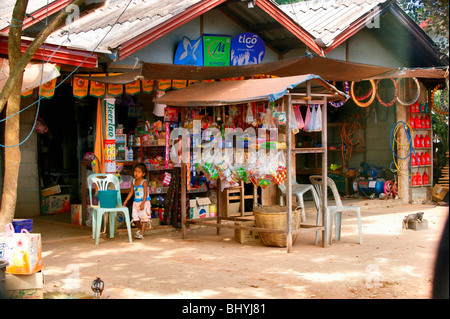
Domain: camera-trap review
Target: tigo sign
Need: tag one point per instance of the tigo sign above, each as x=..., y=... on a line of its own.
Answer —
x=247, y=48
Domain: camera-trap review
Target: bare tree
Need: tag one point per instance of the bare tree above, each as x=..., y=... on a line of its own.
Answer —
x=10, y=97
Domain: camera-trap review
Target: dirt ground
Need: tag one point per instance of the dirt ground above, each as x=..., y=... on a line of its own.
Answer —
x=392, y=263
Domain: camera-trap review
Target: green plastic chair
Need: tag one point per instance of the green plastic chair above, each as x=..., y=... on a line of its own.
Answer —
x=102, y=182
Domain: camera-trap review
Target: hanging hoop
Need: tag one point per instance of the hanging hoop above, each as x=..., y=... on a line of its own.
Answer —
x=346, y=90
x=417, y=93
x=445, y=107
x=395, y=95
x=433, y=104
x=373, y=93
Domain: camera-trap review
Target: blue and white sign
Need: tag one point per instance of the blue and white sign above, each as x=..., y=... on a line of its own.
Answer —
x=189, y=52
x=247, y=48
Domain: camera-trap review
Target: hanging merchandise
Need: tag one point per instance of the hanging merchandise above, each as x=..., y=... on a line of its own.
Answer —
x=318, y=125
x=249, y=116
x=395, y=93
x=279, y=170
x=346, y=90
x=400, y=93
x=158, y=109
x=298, y=117
x=80, y=87
x=442, y=108
x=133, y=88
x=312, y=121
x=135, y=111
x=357, y=100
x=307, y=118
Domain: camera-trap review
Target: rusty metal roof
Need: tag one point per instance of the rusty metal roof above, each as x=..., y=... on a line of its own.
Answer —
x=327, y=19
x=126, y=18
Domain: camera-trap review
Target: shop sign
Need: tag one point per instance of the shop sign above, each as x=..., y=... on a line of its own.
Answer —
x=189, y=52
x=110, y=122
x=110, y=156
x=247, y=48
x=216, y=50
x=178, y=84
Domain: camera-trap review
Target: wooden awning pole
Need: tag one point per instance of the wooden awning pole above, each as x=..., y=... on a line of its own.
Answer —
x=326, y=235
x=288, y=175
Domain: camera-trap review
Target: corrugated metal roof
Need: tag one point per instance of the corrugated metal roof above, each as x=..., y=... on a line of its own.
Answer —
x=327, y=19
x=133, y=18
x=7, y=7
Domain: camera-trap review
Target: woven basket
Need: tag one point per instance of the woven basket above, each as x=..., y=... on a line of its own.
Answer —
x=274, y=217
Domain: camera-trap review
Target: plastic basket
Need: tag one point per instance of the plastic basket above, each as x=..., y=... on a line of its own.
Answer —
x=107, y=198
x=20, y=224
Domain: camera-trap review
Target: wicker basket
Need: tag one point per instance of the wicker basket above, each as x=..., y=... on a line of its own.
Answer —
x=274, y=217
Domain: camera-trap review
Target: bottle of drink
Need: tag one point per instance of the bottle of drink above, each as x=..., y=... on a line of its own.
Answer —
x=427, y=141
x=422, y=141
x=425, y=178
x=418, y=122
x=418, y=179
x=427, y=159
x=417, y=107
x=423, y=121
x=412, y=121
x=413, y=179
x=413, y=108
x=413, y=160
x=427, y=122
x=417, y=141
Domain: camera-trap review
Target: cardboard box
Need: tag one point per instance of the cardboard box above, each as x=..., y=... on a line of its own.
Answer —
x=199, y=207
x=439, y=193
x=25, y=286
x=53, y=190
x=246, y=236
x=76, y=217
x=56, y=204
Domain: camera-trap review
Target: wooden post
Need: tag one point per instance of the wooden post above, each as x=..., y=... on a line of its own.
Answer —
x=219, y=204
x=288, y=176
x=326, y=233
x=183, y=199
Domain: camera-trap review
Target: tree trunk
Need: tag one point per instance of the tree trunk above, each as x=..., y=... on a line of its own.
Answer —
x=12, y=150
x=11, y=92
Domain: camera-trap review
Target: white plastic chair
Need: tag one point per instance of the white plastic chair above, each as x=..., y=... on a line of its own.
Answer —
x=298, y=190
x=102, y=181
x=336, y=211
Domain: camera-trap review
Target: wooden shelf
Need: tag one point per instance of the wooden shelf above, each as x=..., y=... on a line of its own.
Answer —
x=308, y=150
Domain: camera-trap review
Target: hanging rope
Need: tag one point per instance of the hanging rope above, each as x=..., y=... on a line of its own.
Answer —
x=409, y=144
x=350, y=138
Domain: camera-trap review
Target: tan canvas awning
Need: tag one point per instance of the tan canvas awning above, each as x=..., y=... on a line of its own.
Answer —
x=234, y=92
x=425, y=73
x=328, y=69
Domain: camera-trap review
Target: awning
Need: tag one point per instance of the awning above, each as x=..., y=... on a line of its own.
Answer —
x=32, y=75
x=426, y=73
x=328, y=69
x=123, y=78
x=235, y=92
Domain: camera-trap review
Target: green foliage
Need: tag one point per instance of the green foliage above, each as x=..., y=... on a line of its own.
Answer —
x=440, y=139
x=434, y=16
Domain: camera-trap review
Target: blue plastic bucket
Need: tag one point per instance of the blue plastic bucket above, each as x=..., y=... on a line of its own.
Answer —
x=107, y=198
x=20, y=224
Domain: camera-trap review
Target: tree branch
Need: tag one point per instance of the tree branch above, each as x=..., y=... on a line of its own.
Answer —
x=30, y=51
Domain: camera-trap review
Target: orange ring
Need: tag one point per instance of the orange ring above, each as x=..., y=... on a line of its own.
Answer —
x=372, y=98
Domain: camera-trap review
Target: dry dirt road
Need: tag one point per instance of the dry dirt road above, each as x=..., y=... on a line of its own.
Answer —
x=392, y=263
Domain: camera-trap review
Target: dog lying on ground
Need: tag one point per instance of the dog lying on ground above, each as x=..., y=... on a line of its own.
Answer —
x=416, y=216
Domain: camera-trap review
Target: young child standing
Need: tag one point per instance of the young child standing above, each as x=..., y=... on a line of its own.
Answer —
x=141, y=210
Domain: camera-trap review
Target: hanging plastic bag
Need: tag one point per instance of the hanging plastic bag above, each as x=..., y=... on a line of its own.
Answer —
x=293, y=126
x=249, y=116
x=299, y=118
x=312, y=121
x=319, y=119
x=307, y=118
